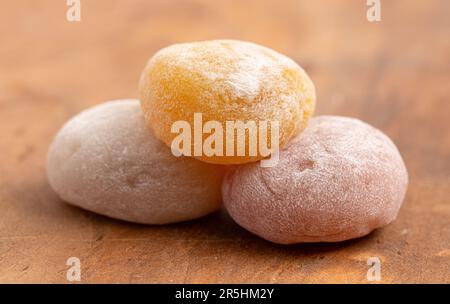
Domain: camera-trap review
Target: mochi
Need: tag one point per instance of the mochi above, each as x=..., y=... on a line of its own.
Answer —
x=108, y=161
x=340, y=179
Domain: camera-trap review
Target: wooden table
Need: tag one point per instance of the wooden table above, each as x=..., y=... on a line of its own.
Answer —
x=393, y=74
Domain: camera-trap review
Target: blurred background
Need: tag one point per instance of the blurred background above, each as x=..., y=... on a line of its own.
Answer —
x=394, y=74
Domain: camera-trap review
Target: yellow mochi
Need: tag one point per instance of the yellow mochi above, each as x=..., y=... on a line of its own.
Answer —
x=225, y=80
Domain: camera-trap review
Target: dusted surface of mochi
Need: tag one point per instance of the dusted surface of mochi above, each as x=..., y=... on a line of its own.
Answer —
x=107, y=160
x=225, y=80
x=340, y=179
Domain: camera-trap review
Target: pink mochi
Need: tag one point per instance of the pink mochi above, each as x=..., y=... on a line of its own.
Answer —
x=340, y=179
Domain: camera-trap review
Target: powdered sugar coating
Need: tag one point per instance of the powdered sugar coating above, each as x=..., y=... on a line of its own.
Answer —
x=225, y=80
x=107, y=160
x=340, y=179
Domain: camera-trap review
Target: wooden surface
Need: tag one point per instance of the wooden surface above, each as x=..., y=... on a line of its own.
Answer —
x=393, y=74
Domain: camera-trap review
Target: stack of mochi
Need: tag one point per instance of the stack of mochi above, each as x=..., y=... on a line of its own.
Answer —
x=337, y=178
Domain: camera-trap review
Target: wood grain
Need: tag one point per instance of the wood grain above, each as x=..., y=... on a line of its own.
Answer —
x=393, y=74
